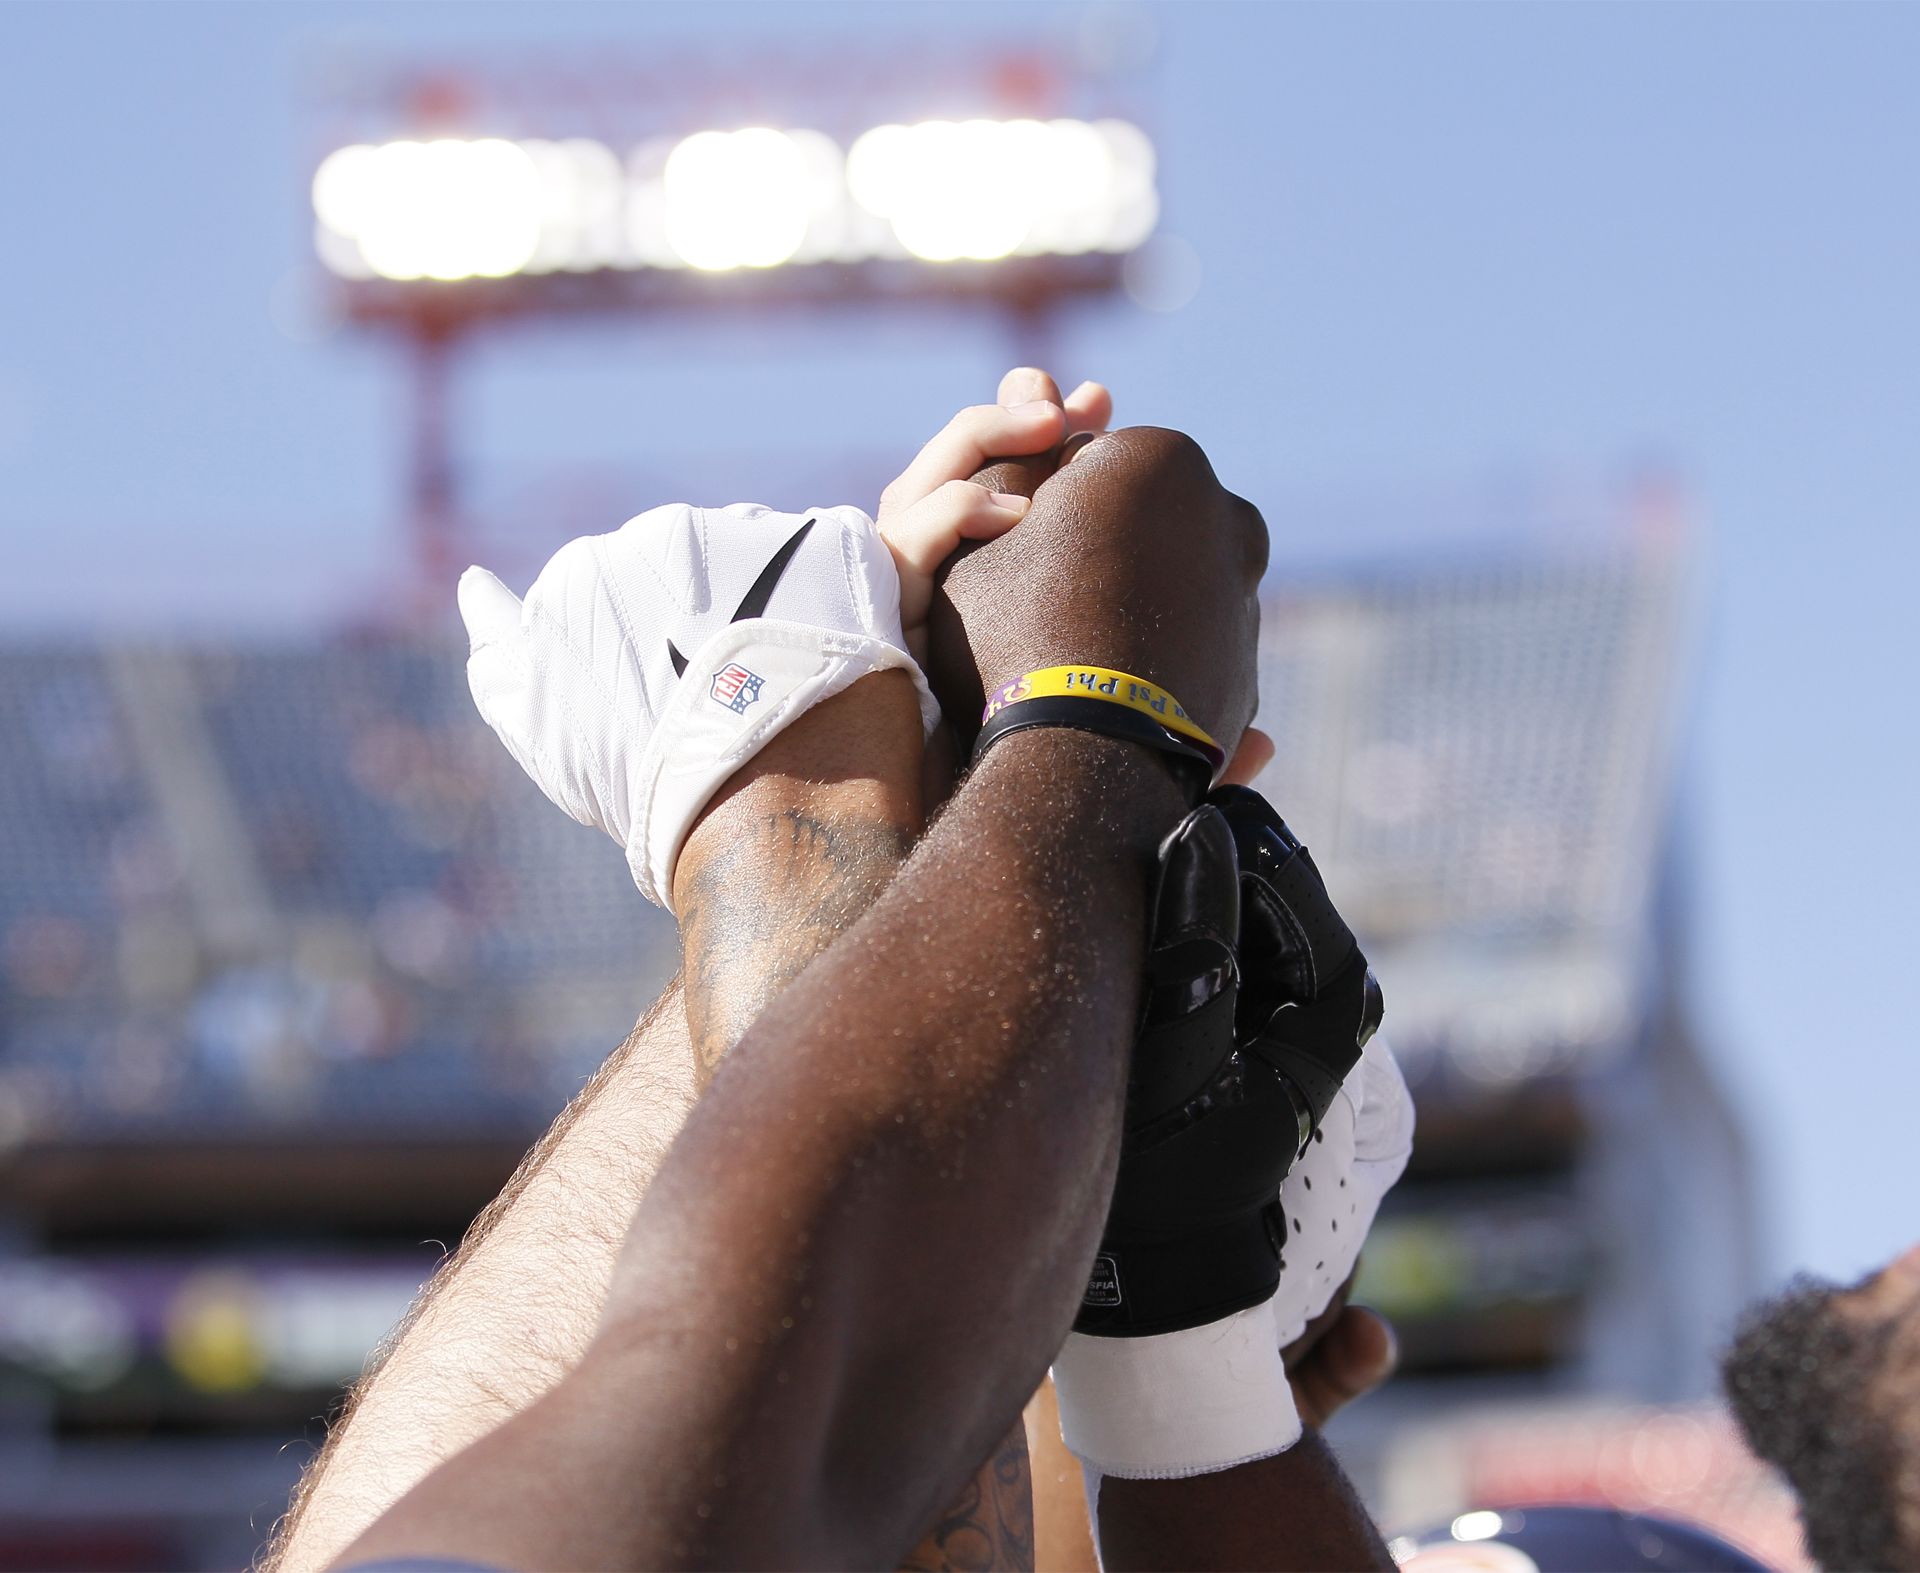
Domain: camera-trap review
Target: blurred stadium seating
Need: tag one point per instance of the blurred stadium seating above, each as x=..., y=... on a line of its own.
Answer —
x=1482, y=752
x=294, y=963
x=292, y=890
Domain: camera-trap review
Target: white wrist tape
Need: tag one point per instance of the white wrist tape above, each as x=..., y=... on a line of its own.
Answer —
x=1177, y=1404
x=1206, y=1399
x=646, y=666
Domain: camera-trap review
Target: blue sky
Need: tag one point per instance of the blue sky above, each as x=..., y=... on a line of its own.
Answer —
x=1439, y=244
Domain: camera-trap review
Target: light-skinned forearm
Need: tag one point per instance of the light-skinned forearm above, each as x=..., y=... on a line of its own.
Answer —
x=513, y=1309
x=792, y=850
x=867, y=1242
x=797, y=846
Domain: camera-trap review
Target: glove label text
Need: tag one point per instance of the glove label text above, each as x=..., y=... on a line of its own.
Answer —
x=735, y=687
x=1103, y=1283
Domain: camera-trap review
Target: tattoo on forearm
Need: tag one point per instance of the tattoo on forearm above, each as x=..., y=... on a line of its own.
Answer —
x=991, y=1525
x=757, y=910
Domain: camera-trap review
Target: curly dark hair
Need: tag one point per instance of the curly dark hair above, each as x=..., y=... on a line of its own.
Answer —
x=1807, y=1383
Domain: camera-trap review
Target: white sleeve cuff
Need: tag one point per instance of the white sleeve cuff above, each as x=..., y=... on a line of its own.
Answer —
x=1177, y=1404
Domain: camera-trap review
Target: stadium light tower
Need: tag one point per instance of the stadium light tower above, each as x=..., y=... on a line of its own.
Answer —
x=435, y=237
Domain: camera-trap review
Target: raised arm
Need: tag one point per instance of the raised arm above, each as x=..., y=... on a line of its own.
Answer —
x=866, y=1243
x=847, y=1276
x=1209, y=1403
x=1295, y=1510
x=796, y=845
x=796, y=849
x=513, y=1309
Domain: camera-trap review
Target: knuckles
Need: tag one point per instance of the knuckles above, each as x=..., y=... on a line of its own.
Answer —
x=963, y=496
x=1158, y=451
x=578, y=559
x=1170, y=463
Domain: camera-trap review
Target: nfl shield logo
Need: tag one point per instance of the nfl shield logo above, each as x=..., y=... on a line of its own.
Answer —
x=735, y=687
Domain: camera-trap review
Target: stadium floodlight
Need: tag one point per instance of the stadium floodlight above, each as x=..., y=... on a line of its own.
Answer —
x=953, y=190
x=720, y=201
x=446, y=209
x=582, y=187
x=736, y=199
x=436, y=238
x=984, y=189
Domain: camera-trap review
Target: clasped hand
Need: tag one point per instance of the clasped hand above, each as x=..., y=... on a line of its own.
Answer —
x=1027, y=535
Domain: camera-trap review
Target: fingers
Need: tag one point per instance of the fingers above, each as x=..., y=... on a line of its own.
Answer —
x=1007, y=448
x=1357, y=1354
x=1089, y=408
x=971, y=440
x=1254, y=754
x=489, y=609
x=1026, y=383
x=925, y=535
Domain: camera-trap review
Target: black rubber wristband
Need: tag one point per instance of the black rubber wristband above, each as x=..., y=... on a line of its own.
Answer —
x=1191, y=767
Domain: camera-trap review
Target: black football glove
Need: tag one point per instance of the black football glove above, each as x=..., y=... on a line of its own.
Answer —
x=1308, y=1000
x=1257, y=1004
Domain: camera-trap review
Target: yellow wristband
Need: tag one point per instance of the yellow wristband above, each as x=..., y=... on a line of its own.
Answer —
x=1102, y=682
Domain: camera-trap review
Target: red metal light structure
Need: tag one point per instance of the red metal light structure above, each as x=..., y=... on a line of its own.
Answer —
x=683, y=188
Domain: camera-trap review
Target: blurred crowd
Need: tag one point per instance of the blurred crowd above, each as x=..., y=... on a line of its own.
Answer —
x=305, y=887
x=303, y=884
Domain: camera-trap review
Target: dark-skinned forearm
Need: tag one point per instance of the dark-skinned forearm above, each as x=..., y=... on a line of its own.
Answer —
x=1295, y=1510
x=865, y=1247
x=971, y=1034
x=786, y=859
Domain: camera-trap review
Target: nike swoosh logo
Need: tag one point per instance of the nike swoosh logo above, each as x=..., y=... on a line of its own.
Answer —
x=759, y=593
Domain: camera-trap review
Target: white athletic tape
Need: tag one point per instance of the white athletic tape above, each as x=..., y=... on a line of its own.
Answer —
x=1176, y=1404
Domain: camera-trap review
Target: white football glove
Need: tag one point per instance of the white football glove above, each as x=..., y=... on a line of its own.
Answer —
x=1333, y=1192
x=646, y=666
